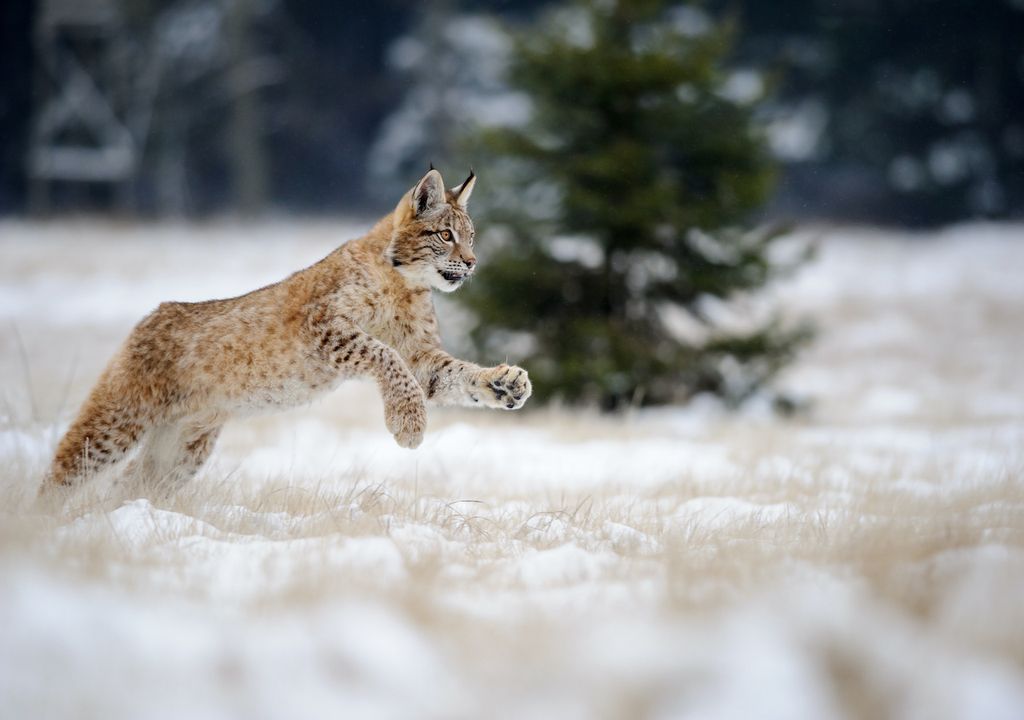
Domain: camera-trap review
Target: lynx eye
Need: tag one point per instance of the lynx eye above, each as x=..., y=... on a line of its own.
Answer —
x=446, y=235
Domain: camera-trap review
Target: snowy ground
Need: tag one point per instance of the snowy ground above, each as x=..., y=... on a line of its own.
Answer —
x=863, y=561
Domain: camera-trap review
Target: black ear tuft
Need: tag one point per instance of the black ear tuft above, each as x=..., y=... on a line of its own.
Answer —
x=463, y=191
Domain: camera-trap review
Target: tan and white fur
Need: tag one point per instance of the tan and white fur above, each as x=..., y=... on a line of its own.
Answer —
x=364, y=310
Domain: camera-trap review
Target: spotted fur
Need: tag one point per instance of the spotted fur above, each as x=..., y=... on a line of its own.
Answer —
x=364, y=310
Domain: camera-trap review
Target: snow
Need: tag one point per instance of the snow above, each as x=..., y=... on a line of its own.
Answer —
x=316, y=449
x=864, y=558
x=328, y=663
x=795, y=133
x=743, y=87
x=726, y=511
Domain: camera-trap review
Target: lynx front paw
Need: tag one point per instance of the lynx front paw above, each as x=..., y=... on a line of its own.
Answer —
x=506, y=387
x=406, y=419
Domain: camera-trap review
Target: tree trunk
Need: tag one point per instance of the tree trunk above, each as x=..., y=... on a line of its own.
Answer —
x=246, y=152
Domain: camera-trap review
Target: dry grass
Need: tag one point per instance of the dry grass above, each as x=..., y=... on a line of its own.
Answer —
x=866, y=560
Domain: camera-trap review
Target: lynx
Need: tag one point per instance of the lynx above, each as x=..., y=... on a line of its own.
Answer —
x=364, y=310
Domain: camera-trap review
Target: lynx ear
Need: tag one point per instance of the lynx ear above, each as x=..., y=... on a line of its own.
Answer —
x=428, y=195
x=463, y=191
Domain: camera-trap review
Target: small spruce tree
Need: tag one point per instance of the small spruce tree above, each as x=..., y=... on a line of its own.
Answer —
x=614, y=211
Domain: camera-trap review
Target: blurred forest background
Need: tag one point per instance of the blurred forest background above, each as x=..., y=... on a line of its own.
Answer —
x=638, y=157
x=908, y=112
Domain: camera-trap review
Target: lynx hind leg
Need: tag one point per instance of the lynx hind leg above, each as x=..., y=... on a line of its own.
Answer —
x=172, y=454
x=102, y=434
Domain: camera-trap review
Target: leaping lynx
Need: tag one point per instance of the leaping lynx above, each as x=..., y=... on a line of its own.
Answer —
x=364, y=310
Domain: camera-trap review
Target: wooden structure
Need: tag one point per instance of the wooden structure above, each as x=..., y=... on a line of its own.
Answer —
x=81, y=130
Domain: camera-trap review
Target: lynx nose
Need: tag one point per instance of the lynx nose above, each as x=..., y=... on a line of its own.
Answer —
x=470, y=262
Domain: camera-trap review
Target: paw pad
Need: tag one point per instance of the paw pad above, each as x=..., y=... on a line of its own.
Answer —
x=510, y=388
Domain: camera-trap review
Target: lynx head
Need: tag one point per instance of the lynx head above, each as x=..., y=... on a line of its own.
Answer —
x=432, y=240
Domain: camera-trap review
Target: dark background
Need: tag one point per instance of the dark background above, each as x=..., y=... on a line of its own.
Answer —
x=917, y=106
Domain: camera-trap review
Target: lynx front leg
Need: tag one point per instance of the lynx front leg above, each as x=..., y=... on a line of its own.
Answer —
x=450, y=381
x=354, y=352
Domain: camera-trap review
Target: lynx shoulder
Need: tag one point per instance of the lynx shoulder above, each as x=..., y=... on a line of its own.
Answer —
x=364, y=310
